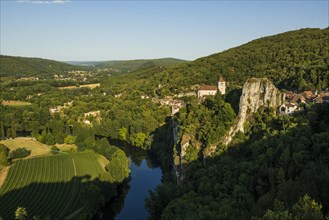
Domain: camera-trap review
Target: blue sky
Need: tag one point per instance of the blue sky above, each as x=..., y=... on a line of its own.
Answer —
x=116, y=30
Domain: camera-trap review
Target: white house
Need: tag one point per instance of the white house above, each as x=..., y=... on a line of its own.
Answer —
x=288, y=108
x=206, y=90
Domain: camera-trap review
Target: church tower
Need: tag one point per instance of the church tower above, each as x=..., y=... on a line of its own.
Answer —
x=221, y=84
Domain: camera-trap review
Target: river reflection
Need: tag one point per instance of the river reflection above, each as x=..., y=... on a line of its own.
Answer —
x=143, y=179
x=145, y=176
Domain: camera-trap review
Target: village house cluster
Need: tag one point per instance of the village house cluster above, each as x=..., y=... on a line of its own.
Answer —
x=87, y=117
x=294, y=101
x=28, y=79
x=169, y=101
x=59, y=108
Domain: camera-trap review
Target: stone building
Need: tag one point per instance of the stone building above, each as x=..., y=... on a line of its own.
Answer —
x=206, y=90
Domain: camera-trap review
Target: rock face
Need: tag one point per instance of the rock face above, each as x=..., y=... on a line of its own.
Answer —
x=256, y=92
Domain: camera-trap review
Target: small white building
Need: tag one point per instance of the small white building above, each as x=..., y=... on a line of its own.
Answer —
x=288, y=108
x=206, y=90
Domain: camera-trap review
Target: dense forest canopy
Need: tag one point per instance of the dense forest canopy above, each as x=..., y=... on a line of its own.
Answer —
x=280, y=160
x=296, y=60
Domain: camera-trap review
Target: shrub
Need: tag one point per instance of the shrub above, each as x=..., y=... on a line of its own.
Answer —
x=54, y=149
x=20, y=153
x=4, y=153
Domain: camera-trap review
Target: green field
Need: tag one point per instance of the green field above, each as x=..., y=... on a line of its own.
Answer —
x=49, y=185
x=15, y=103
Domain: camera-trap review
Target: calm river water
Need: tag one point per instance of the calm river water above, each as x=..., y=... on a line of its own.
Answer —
x=143, y=179
x=145, y=175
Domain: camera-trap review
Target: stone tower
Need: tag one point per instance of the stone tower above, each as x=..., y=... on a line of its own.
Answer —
x=221, y=84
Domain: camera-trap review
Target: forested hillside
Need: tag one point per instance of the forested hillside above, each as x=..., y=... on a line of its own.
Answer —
x=278, y=168
x=131, y=65
x=37, y=67
x=280, y=165
x=296, y=60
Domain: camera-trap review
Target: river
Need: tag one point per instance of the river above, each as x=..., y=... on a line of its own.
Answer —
x=145, y=175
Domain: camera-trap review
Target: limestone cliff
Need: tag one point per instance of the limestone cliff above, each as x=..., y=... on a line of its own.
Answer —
x=256, y=92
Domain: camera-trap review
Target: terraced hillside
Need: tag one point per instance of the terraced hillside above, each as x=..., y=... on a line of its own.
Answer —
x=48, y=186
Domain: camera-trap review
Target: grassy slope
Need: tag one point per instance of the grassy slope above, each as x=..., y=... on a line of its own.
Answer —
x=49, y=185
x=23, y=66
x=34, y=146
x=15, y=103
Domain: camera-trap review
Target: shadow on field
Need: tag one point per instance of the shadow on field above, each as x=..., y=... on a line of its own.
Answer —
x=64, y=200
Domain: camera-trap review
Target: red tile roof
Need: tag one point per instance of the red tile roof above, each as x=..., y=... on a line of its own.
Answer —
x=205, y=87
x=221, y=79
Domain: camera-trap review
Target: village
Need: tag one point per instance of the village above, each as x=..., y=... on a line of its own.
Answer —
x=293, y=101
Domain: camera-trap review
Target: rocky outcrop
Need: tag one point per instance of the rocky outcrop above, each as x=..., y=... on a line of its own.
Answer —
x=256, y=92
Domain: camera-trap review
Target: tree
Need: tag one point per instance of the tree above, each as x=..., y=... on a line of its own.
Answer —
x=69, y=139
x=123, y=132
x=4, y=153
x=307, y=209
x=20, y=153
x=118, y=166
x=20, y=213
x=138, y=139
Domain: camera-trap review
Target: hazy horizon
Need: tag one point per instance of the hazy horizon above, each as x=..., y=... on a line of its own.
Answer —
x=91, y=31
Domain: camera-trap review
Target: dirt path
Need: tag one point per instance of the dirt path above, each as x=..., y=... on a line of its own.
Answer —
x=3, y=174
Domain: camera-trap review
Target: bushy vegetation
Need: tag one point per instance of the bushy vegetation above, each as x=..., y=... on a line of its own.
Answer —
x=4, y=155
x=205, y=124
x=19, y=153
x=54, y=149
x=281, y=159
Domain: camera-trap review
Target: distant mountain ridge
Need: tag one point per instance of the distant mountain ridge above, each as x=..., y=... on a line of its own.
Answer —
x=38, y=67
x=130, y=65
x=296, y=60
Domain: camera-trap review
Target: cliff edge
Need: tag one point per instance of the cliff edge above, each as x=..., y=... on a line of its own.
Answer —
x=256, y=92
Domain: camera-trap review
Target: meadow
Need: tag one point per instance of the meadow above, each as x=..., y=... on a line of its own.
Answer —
x=91, y=86
x=15, y=103
x=36, y=148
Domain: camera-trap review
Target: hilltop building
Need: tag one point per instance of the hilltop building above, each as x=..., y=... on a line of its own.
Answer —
x=206, y=90
x=221, y=84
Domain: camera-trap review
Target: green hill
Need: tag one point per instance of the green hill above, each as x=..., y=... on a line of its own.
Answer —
x=131, y=65
x=295, y=59
x=37, y=67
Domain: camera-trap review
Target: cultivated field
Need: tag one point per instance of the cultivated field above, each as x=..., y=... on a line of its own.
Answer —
x=48, y=186
x=91, y=86
x=31, y=144
x=15, y=103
